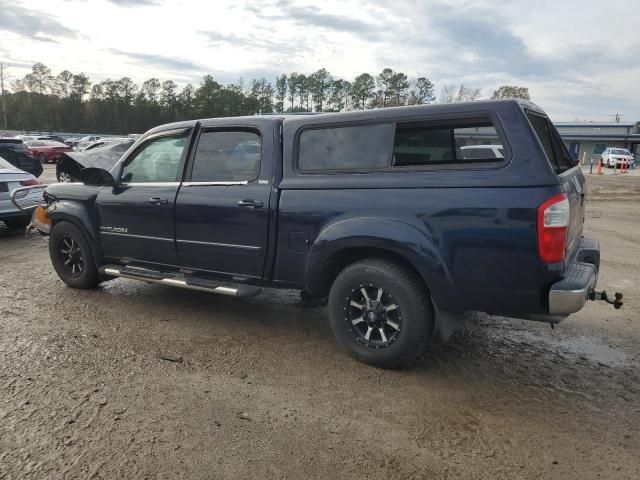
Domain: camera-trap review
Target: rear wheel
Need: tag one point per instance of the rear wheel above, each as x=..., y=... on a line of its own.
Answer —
x=42, y=158
x=381, y=313
x=71, y=256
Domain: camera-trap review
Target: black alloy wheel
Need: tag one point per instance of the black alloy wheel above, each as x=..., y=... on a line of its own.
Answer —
x=71, y=256
x=372, y=316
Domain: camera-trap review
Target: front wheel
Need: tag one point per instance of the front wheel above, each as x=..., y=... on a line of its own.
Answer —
x=71, y=256
x=65, y=177
x=381, y=313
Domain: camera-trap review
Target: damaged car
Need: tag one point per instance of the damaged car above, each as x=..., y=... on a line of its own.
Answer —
x=71, y=165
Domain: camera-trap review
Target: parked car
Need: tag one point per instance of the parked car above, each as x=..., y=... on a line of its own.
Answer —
x=84, y=142
x=10, y=179
x=70, y=165
x=376, y=211
x=71, y=141
x=15, y=152
x=482, y=151
x=613, y=157
x=106, y=141
x=31, y=138
x=48, y=150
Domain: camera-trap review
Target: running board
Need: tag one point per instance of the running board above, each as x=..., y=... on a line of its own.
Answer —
x=181, y=281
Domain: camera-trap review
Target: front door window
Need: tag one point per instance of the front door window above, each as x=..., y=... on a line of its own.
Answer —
x=157, y=161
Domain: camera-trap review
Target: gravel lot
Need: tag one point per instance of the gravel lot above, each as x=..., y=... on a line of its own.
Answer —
x=143, y=381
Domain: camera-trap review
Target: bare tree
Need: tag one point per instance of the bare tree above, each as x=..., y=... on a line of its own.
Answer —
x=467, y=94
x=448, y=93
x=452, y=93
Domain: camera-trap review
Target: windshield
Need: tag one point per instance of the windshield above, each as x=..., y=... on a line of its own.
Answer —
x=620, y=151
x=5, y=164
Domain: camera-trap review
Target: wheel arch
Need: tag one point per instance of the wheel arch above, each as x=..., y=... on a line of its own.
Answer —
x=66, y=164
x=351, y=240
x=75, y=214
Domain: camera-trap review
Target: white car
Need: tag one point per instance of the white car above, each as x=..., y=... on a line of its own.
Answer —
x=12, y=178
x=84, y=142
x=613, y=157
x=482, y=151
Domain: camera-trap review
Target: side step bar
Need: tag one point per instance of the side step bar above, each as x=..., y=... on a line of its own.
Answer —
x=180, y=281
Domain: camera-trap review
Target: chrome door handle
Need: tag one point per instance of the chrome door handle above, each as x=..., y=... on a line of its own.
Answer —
x=158, y=201
x=250, y=204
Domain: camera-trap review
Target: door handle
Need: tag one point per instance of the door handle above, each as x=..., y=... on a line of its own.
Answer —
x=250, y=204
x=158, y=201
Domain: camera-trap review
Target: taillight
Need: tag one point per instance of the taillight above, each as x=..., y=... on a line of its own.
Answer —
x=553, y=225
x=28, y=183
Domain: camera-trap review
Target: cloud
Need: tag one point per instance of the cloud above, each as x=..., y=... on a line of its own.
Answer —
x=161, y=61
x=310, y=16
x=32, y=24
x=249, y=40
x=192, y=72
x=134, y=3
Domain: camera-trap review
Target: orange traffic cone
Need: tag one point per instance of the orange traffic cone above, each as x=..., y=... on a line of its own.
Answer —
x=600, y=167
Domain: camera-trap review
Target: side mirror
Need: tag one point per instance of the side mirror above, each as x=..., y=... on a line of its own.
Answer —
x=97, y=177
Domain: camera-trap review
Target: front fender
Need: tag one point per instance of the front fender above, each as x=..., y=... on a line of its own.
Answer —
x=401, y=238
x=78, y=214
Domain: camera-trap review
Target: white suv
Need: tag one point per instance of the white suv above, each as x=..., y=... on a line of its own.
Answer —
x=613, y=157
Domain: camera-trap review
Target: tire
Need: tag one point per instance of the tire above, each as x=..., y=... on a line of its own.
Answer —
x=81, y=272
x=65, y=177
x=406, y=329
x=42, y=158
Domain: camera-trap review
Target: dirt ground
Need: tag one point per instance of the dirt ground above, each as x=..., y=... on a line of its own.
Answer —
x=144, y=381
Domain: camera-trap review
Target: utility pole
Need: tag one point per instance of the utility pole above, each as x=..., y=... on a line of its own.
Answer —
x=4, y=105
x=616, y=117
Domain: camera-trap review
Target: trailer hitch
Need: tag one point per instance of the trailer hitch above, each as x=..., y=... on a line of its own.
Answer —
x=616, y=302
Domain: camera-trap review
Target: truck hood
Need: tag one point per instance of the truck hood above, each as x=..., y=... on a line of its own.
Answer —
x=98, y=158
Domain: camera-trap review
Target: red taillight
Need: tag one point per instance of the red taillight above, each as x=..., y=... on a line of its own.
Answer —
x=553, y=225
x=28, y=183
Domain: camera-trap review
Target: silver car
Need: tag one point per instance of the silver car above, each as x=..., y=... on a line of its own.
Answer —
x=12, y=178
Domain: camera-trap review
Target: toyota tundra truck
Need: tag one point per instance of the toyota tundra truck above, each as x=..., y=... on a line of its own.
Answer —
x=382, y=214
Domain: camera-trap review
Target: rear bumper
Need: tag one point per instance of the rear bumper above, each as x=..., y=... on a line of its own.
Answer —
x=581, y=275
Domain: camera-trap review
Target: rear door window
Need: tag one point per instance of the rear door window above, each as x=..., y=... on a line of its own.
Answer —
x=557, y=153
x=227, y=156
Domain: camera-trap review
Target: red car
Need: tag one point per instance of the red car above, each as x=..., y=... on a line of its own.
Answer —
x=48, y=150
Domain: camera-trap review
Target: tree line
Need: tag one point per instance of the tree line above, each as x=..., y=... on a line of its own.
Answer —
x=69, y=102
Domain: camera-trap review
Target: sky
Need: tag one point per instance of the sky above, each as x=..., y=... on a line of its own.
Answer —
x=579, y=59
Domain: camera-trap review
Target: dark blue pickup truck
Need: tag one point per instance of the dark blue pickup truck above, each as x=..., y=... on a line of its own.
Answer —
x=393, y=215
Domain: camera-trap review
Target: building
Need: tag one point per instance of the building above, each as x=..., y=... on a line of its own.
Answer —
x=586, y=140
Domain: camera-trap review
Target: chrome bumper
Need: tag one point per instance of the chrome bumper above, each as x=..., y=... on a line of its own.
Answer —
x=28, y=198
x=571, y=293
